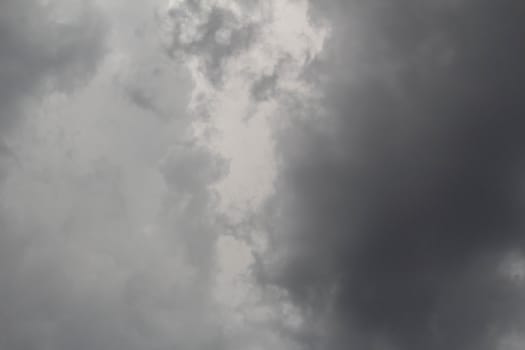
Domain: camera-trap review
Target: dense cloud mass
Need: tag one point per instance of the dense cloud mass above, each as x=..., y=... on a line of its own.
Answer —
x=400, y=201
x=270, y=174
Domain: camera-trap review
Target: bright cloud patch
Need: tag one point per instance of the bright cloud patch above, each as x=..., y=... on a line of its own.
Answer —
x=248, y=62
x=246, y=59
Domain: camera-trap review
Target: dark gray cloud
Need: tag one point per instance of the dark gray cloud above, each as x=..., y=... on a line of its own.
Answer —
x=39, y=49
x=396, y=206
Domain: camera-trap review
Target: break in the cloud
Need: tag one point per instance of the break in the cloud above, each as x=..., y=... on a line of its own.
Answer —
x=399, y=202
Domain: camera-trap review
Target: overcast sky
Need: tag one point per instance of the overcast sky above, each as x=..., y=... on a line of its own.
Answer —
x=262, y=174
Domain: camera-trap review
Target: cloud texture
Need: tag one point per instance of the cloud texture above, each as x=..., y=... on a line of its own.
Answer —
x=213, y=174
x=400, y=200
x=41, y=46
x=112, y=234
x=106, y=234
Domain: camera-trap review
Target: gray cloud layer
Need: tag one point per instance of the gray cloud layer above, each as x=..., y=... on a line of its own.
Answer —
x=397, y=201
x=107, y=234
x=39, y=49
x=396, y=207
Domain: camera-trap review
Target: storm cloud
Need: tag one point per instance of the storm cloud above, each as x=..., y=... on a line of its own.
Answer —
x=400, y=200
x=277, y=174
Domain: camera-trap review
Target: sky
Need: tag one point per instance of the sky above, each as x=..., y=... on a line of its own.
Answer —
x=262, y=174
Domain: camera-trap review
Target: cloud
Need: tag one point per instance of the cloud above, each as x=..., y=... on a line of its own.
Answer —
x=399, y=199
x=107, y=235
x=247, y=61
x=146, y=75
x=111, y=232
x=43, y=48
x=236, y=101
x=79, y=273
x=264, y=87
x=155, y=86
x=211, y=31
x=223, y=42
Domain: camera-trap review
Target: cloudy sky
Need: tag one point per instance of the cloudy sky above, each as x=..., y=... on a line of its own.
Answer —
x=262, y=174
